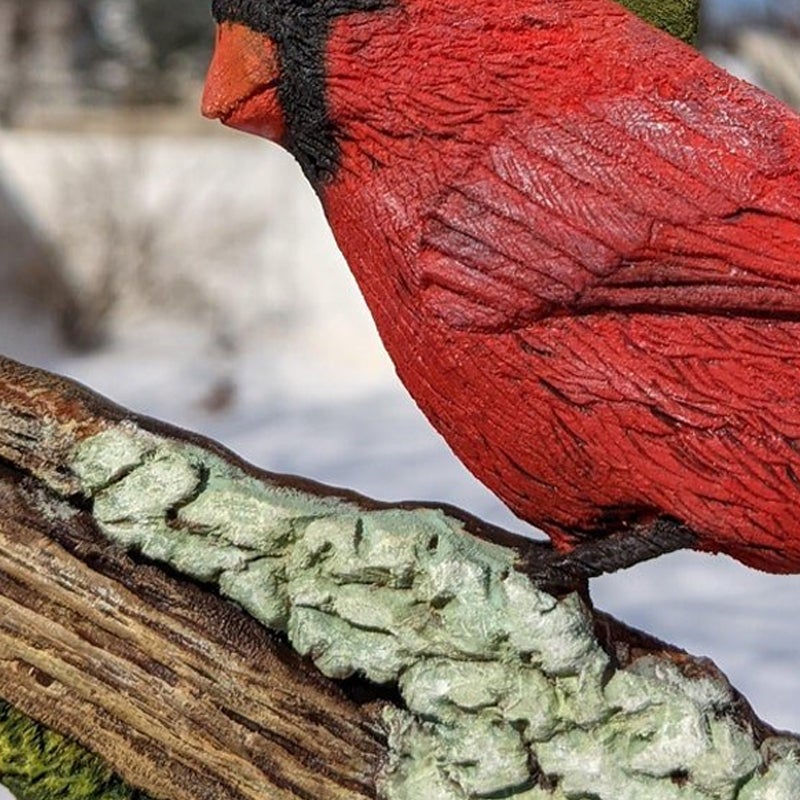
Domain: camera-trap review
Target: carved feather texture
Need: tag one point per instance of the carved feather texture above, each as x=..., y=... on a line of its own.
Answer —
x=581, y=244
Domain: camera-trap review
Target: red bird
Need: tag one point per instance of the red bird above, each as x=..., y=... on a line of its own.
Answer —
x=580, y=242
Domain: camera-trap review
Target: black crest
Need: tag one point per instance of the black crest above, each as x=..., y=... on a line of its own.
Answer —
x=300, y=29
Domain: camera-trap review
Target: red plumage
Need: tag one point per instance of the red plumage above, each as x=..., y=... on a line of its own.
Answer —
x=580, y=242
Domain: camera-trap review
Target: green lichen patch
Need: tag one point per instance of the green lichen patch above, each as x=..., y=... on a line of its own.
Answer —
x=38, y=764
x=780, y=782
x=507, y=692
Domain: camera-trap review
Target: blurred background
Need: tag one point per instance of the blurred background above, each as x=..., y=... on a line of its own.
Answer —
x=186, y=272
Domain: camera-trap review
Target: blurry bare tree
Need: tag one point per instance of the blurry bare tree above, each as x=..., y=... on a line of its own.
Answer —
x=724, y=19
x=33, y=61
x=109, y=51
x=137, y=237
x=14, y=38
x=759, y=38
x=179, y=34
x=146, y=48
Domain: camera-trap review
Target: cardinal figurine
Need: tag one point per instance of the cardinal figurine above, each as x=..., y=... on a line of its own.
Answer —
x=579, y=240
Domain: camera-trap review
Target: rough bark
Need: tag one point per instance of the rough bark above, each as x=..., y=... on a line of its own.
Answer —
x=182, y=693
x=477, y=684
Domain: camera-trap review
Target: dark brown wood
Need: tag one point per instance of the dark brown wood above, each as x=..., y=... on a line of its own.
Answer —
x=183, y=693
x=42, y=417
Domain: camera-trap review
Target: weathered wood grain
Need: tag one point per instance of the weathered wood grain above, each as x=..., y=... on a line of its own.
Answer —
x=184, y=694
x=41, y=421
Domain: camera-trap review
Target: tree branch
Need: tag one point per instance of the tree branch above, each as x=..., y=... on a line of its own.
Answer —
x=446, y=673
x=183, y=694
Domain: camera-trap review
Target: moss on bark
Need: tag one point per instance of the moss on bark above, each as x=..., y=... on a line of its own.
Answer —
x=37, y=763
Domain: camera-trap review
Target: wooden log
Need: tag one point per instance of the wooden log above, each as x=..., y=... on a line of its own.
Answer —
x=446, y=673
x=184, y=694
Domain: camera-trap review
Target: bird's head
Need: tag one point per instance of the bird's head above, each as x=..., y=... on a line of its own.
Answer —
x=268, y=73
x=299, y=72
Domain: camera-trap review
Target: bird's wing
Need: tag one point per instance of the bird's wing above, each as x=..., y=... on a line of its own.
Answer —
x=682, y=204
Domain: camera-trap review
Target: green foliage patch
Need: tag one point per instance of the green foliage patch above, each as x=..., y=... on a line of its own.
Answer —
x=681, y=18
x=37, y=763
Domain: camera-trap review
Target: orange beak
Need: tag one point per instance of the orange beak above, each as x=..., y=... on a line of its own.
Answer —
x=241, y=85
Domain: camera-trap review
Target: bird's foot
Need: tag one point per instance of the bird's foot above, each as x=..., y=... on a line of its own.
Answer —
x=560, y=573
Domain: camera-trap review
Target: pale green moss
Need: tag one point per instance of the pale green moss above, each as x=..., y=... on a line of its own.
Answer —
x=780, y=782
x=501, y=682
